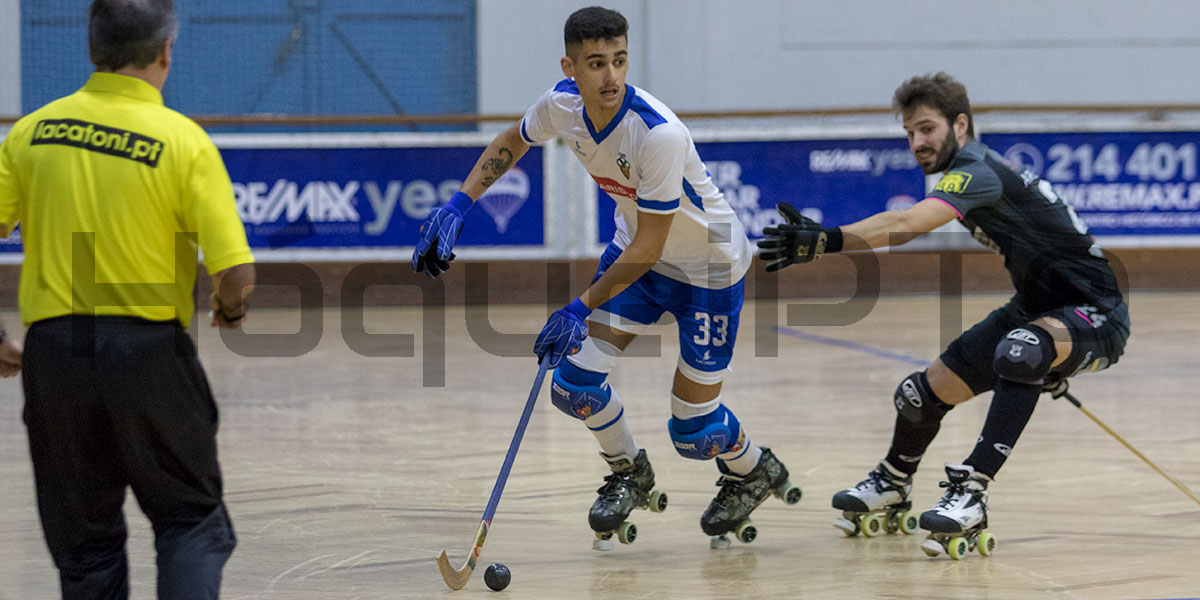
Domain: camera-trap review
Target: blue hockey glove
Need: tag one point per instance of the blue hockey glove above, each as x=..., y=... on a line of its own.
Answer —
x=564, y=332
x=434, y=250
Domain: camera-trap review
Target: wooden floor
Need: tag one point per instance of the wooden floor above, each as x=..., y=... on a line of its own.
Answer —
x=345, y=476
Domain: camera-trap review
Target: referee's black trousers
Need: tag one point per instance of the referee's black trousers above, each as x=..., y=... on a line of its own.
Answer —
x=116, y=402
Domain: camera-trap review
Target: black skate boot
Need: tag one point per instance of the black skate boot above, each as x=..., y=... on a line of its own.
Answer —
x=740, y=495
x=957, y=522
x=630, y=486
x=877, y=504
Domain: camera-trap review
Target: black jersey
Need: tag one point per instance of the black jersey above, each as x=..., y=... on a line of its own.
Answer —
x=1051, y=257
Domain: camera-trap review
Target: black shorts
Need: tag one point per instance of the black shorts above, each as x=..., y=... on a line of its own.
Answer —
x=1098, y=340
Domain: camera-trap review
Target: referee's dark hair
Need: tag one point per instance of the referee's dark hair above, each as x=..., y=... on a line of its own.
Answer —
x=129, y=32
x=938, y=91
x=593, y=23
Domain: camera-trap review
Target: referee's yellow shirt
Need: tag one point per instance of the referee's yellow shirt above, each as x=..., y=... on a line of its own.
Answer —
x=113, y=192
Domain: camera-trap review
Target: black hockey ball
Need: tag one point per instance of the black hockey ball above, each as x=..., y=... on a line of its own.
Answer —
x=497, y=576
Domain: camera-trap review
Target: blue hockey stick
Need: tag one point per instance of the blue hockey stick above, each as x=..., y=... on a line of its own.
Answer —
x=456, y=579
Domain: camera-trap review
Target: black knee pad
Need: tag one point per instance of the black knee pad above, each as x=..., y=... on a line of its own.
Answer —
x=1025, y=355
x=915, y=400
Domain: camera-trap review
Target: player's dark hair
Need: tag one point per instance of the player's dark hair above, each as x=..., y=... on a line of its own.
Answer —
x=129, y=32
x=938, y=91
x=593, y=23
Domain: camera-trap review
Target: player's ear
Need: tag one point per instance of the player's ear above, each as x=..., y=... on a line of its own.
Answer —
x=164, y=57
x=961, y=124
x=568, y=66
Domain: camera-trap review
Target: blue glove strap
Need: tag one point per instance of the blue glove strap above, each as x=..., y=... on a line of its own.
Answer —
x=460, y=203
x=579, y=309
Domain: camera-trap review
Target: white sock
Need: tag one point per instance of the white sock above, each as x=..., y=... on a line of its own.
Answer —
x=741, y=462
x=611, y=429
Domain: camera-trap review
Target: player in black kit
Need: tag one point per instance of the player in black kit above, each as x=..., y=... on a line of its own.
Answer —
x=1067, y=315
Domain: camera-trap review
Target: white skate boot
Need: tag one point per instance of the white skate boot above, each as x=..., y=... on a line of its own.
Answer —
x=957, y=522
x=876, y=504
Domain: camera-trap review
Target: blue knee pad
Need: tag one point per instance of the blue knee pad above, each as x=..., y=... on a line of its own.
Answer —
x=1025, y=355
x=578, y=392
x=705, y=437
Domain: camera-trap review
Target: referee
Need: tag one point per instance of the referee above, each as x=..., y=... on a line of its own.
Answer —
x=114, y=194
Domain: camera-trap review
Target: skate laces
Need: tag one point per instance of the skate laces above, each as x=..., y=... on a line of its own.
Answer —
x=614, y=484
x=729, y=487
x=879, y=481
x=954, y=489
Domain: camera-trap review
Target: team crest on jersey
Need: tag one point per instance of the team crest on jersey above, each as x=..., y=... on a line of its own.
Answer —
x=624, y=164
x=953, y=182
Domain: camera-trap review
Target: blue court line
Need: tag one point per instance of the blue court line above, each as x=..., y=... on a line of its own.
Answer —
x=873, y=351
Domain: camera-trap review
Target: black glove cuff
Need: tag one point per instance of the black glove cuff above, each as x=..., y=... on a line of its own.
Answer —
x=833, y=239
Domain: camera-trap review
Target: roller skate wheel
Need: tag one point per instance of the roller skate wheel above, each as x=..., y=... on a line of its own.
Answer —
x=870, y=525
x=719, y=542
x=658, y=501
x=846, y=526
x=931, y=547
x=746, y=532
x=986, y=544
x=602, y=544
x=891, y=523
x=908, y=522
x=627, y=533
x=789, y=493
x=957, y=548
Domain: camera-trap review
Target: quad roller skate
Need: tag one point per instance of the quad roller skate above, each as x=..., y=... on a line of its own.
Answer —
x=629, y=486
x=740, y=495
x=957, y=522
x=877, y=504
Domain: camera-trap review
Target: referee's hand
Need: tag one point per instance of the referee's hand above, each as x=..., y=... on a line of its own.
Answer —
x=225, y=318
x=10, y=356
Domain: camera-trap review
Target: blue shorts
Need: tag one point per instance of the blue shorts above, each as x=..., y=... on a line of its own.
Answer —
x=708, y=319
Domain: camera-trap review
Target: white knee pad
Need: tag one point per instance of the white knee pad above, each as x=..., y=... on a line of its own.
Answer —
x=596, y=355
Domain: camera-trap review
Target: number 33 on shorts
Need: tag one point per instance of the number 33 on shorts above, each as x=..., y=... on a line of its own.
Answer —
x=714, y=329
x=706, y=339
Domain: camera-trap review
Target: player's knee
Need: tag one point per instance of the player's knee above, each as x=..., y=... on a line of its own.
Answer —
x=1025, y=355
x=578, y=392
x=705, y=437
x=916, y=402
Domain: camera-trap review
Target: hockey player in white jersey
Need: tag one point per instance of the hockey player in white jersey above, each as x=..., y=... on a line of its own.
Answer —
x=678, y=248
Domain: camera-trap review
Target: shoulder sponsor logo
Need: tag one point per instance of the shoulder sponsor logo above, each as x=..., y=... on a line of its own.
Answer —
x=954, y=182
x=623, y=163
x=98, y=138
x=1023, y=335
x=614, y=189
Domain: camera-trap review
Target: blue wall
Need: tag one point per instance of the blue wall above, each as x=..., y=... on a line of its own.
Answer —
x=296, y=57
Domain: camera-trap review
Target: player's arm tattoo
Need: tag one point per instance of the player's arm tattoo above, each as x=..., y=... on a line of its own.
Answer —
x=493, y=168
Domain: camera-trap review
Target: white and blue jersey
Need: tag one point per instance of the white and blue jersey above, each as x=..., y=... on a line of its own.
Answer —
x=646, y=161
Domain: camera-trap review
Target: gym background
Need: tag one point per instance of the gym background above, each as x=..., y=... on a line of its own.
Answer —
x=344, y=123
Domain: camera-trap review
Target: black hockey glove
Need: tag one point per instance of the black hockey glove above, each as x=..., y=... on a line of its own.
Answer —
x=798, y=240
